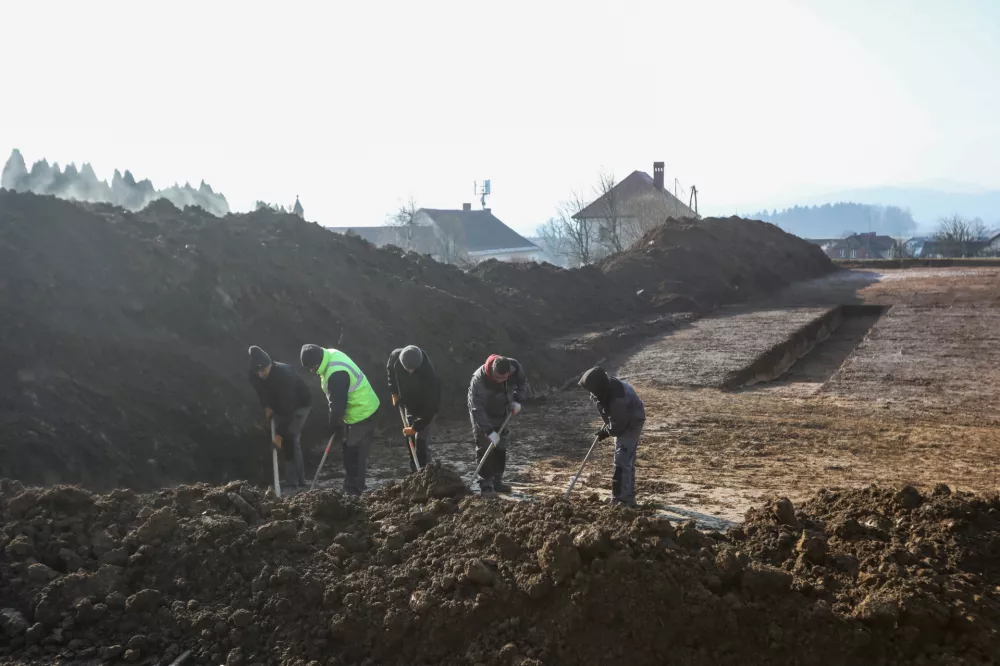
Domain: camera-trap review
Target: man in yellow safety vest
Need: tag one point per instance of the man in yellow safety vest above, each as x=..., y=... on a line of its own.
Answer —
x=353, y=404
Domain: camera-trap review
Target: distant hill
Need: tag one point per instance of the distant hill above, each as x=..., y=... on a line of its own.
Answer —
x=83, y=185
x=929, y=204
x=840, y=219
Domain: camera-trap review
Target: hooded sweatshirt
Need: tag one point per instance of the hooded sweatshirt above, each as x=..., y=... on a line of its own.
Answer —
x=616, y=400
x=489, y=400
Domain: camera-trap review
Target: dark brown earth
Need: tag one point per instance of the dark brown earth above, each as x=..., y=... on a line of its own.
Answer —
x=124, y=336
x=418, y=573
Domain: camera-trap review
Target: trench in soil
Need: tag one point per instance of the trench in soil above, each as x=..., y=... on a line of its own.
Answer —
x=813, y=353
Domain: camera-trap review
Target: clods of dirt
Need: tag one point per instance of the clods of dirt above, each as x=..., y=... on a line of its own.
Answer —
x=323, y=579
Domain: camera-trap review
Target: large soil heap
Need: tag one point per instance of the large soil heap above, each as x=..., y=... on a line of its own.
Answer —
x=420, y=574
x=124, y=334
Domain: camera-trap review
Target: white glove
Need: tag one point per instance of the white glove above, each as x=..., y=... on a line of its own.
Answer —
x=515, y=408
x=494, y=437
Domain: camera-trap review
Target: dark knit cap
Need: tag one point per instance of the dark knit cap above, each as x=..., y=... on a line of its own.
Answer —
x=501, y=366
x=311, y=356
x=411, y=357
x=596, y=381
x=258, y=359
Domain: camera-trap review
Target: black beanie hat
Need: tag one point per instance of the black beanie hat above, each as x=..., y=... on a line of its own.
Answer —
x=501, y=366
x=311, y=356
x=411, y=358
x=596, y=381
x=258, y=359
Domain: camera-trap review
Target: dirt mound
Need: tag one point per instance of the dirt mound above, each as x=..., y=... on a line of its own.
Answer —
x=682, y=266
x=925, y=566
x=125, y=334
x=714, y=261
x=420, y=573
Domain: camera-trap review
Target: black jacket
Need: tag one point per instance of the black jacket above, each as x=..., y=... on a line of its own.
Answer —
x=489, y=400
x=616, y=400
x=419, y=393
x=283, y=391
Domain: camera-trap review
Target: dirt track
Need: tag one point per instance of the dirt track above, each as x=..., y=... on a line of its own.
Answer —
x=915, y=402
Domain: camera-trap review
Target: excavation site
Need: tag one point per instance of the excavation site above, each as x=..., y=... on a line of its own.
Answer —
x=815, y=481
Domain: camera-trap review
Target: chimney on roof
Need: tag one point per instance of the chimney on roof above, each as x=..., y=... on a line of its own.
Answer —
x=466, y=206
x=658, y=174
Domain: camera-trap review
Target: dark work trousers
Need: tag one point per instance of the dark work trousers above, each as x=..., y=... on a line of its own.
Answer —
x=423, y=446
x=493, y=469
x=356, y=447
x=291, y=449
x=623, y=479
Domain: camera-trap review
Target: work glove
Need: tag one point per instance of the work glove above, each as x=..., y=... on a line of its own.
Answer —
x=409, y=432
x=268, y=413
x=494, y=437
x=603, y=434
x=395, y=399
x=277, y=441
x=515, y=408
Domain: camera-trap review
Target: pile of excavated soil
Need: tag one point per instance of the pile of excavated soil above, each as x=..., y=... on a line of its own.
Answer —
x=419, y=573
x=681, y=266
x=123, y=342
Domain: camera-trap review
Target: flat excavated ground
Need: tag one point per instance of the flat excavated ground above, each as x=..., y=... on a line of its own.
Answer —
x=909, y=394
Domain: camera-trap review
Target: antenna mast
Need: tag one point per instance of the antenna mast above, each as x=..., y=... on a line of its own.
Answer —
x=481, y=191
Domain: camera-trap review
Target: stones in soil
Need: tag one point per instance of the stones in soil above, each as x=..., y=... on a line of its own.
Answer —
x=496, y=582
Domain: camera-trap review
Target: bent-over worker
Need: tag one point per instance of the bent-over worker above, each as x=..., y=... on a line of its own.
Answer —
x=285, y=399
x=624, y=416
x=494, y=392
x=352, y=403
x=415, y=386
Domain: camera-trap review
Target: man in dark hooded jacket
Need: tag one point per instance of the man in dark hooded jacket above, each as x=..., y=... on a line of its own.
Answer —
x=495, y=391
x=415, y=386
x=285, y=399
x=624, y=415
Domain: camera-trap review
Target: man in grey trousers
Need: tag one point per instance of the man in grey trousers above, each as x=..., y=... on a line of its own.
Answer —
x=285, y=399
x=624, y=416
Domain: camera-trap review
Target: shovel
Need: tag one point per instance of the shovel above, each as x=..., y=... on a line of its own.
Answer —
x=321, y=462
x=582, y=465
x=274, y=461
x=489, y=449
x=411, y=441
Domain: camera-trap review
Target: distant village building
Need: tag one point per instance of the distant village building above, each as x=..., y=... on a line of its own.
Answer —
x=636, y=204
x=454, y=236
x=297, y=208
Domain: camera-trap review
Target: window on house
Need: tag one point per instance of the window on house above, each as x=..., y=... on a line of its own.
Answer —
x=854, y=254
x=842, y=253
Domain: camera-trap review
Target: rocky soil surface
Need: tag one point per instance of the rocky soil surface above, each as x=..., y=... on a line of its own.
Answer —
x=422, y=573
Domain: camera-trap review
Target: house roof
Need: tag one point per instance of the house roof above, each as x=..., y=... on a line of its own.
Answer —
x=477, y=230
x=637, y=187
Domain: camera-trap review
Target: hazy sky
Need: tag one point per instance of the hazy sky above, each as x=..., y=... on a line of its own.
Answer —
x=356, y=106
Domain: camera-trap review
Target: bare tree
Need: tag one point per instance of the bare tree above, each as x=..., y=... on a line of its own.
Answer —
x=900, y=249
x=450, y=248
x=564, y=237
x=405, y=219
x=610, y=225
x=959, y=237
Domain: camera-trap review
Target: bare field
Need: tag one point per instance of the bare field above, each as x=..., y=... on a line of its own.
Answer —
x=906, y=397
x=905, y=394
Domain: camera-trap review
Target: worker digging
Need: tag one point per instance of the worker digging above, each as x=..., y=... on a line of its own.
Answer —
x=416, y=391
x=494, y=397
x=624, y=416
x=352, y=408
x=285, y=399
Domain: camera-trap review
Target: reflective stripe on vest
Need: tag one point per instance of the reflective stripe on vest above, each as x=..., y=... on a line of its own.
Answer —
x=361, y=399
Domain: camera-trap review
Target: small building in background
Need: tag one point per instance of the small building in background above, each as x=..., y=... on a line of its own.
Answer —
x=454, y=236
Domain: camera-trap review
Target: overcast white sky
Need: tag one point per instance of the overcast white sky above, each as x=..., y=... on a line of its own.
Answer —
x=356, y=106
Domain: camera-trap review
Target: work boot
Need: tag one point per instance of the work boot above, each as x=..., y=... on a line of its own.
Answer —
x=501, y=487
x=487, y=493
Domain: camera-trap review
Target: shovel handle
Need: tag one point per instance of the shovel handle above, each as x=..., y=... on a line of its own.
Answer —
x=410, y=441
x=274, y=463
x=582, y=465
